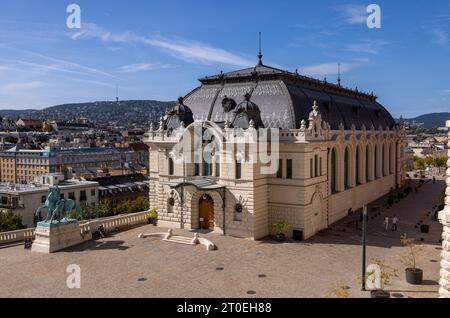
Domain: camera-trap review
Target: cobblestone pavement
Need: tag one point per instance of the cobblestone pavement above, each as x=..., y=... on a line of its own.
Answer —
x=124, y=265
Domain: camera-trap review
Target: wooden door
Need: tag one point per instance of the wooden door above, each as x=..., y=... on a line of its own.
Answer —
x=206, y=213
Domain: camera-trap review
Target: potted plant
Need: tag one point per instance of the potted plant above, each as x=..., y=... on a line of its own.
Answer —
x=384, y=276
x=281, y=228
x=152, y=217
x=413, y=274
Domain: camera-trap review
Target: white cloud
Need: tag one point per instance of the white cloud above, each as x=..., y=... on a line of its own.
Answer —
x=353, y=14
x=13, y=88
x=327, y=69
x=133, y=68
x=186, y=50
x=55, y=64
x=440, y=36
x=446, y=91
x=368, y=46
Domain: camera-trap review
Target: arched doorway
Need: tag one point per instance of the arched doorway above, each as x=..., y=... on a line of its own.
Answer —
x=206, y=212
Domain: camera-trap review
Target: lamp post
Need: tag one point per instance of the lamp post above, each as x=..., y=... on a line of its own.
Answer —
x=364, y=230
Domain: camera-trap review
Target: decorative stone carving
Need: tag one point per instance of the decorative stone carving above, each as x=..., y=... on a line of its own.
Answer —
x=161, y=124
x=152, y=127
x=444, y=217
x=303, y=125
x=251, y=124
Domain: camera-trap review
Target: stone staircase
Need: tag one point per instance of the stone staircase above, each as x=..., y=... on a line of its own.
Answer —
x=180, y=240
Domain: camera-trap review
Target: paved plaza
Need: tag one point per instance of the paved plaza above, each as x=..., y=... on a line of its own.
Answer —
x=124, y=265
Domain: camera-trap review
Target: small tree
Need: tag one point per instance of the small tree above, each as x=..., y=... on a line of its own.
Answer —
x=10, y=222
x=410, y=258
x=104, y=209
x=282, y=227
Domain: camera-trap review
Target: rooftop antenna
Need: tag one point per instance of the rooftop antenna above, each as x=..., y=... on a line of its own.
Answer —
x=260, y=56
x=339, y=74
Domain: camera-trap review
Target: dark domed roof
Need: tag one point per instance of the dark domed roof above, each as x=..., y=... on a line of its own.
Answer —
x=284, y=99
x=247, y=114
x=177, y=114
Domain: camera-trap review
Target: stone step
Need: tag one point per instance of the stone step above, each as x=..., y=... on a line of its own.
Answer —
x=180, y=240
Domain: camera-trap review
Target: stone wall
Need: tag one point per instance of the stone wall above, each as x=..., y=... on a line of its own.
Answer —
x=444, y=217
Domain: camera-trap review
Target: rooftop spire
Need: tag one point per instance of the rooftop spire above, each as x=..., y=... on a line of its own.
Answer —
x=260, y=56
x=339, y=74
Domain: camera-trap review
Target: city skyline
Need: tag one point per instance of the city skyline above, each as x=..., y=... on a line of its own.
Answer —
x=159, y=50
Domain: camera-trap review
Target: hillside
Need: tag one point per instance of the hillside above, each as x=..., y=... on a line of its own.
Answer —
x=125, y=113
x=433, y=120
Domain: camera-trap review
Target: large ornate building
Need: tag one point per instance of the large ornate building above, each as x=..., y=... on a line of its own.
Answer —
x=338, y=150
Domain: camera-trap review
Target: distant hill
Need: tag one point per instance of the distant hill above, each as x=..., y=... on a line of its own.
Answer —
x=125, y=113
x=433, y=120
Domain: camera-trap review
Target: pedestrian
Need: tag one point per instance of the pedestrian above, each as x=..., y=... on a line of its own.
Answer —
x=386, y=223
x=394, y=223
x=434, y=180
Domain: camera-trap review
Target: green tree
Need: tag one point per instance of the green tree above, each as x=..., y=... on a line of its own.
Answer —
x=419, y=163
x=441, y=162
x=10, y=222
x=429, y=161
x=104, y=209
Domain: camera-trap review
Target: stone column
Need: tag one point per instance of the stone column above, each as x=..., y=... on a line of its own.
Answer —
x=444, y=217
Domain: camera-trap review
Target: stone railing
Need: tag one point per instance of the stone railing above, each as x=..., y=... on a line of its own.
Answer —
x=16, y=236
x=86, y=228
x=444, y=217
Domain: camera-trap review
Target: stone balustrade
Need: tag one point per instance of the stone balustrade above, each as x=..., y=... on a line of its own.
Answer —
x=86, y=228
x=444, y=217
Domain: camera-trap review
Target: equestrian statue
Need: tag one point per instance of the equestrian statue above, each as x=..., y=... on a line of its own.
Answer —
x=59, y=209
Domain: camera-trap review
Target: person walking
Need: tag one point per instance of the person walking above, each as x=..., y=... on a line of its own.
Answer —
x=386, y=223
x=395, y=223
x=434, y=180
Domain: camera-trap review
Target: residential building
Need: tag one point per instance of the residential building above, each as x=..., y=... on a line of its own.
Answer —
x=24, y=200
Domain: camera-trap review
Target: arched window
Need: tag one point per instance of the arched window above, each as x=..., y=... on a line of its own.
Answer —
x=376, y=165
x=238, y=170
x=367, y=164
x=171, y=167
x=383, y=160
x=357, y=165
x=392, y=159
x=346, y=168
x=333, y=168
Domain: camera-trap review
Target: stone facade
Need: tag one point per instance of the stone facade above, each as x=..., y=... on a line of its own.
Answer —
x=323, y=173
x=444, y=217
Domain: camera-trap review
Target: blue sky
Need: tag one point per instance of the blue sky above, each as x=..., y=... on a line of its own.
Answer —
x=158, y=49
